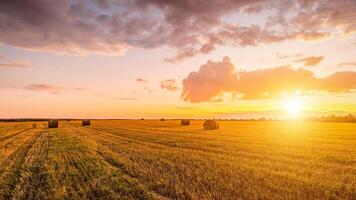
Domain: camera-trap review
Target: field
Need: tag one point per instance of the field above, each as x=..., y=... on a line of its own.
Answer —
x=151, y=159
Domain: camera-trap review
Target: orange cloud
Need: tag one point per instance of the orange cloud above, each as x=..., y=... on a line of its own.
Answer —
x=140, y=80
x=347, y=64
x=297, y=55
x=311, y=61
x=344, y=81
x=313, y=36
x=212, y=79
x=170, y=85
x=215, y=78
x=44, y=88
x=126, y=98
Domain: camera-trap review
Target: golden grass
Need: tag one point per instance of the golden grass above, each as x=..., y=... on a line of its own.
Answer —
x=150, y=159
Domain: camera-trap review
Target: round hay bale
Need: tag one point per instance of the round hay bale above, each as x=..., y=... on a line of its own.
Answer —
x=86, y=122
x=142, y=119
x=34, y=125
x=211, y=124
x=162, y=120
x=185, y=122
x=52, y=123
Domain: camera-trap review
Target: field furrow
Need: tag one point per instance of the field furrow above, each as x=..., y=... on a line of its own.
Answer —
x=132, y=151
x=131, y=159
x=12, y=135
x=284, y=160
x=11, y=144
x=12, y=168
x=77, y=173
x=33, y=175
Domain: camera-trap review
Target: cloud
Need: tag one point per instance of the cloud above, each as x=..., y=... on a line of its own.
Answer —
x=170, y=85
x=344, y=81
x=182, y=54
x=6, y=62
x=212, y=79
x=232, y=35
x=53, y=89
x=347, y=64
x=111, y=27
x=145, y=82
x=311, y=61
x=140, y=80
x=13, y=65
x=44, y=88
x=316, y=15
x=80, y=89
x=60, y=26
x=297, y=55
x=215, y=78
x=126, y=98
x=149, y=90
x=313, y=36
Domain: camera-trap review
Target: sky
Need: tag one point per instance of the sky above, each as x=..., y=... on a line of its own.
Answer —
x=173, y=59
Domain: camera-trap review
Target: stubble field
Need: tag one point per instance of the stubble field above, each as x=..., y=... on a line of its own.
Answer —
x=151, y=159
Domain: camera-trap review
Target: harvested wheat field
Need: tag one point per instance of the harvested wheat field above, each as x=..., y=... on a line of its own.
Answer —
x=150, y=159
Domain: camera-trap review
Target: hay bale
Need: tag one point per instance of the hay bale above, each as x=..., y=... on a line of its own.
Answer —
x=211, y=124
x=34, y=125
x=185, y=122
x=162, y=119
x=52, y=123
x=86, y=122
x=142, y=119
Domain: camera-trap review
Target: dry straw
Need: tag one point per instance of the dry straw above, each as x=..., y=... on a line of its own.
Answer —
x=52, y=123
x=86, y=122
x=211, y=124
x=185, y=122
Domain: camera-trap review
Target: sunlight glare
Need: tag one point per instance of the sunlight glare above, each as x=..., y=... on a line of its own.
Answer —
x=293, y=106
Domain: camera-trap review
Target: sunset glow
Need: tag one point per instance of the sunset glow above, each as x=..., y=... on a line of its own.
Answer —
x=109, y=59
x=293, y=106
x=177, y=99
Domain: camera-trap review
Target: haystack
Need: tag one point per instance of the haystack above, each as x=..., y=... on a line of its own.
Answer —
x=85, y=122
x=211, y=124
x=162, y=119
x=185, y=122
x=52, y=123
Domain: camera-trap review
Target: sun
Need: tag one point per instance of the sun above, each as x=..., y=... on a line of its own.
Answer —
x=293, y=106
